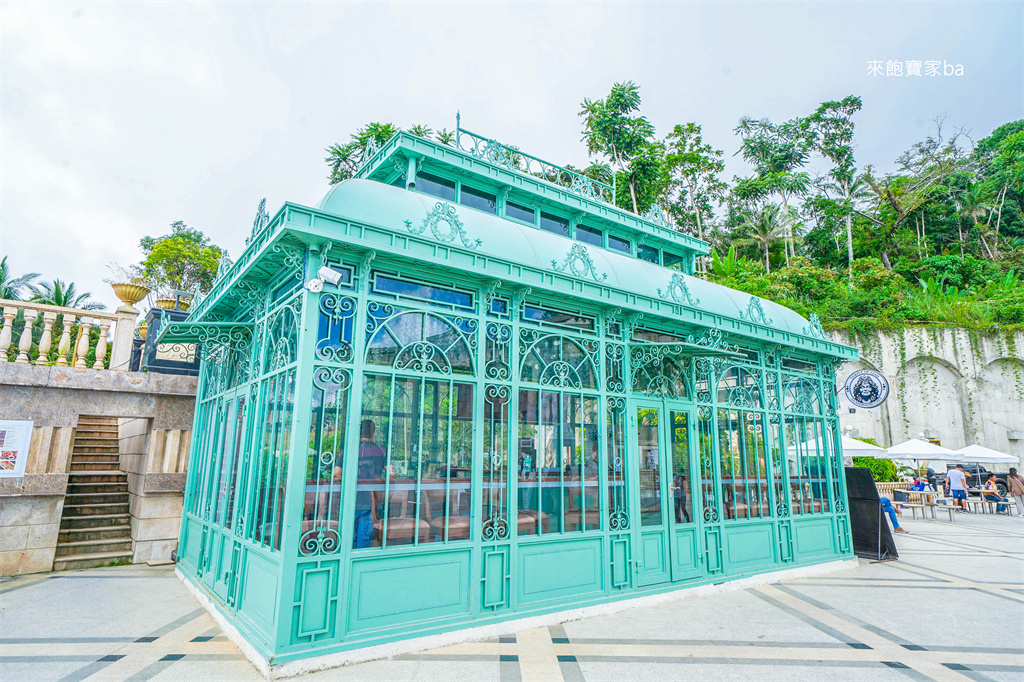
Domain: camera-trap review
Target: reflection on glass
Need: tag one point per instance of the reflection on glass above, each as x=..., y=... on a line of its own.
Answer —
x=807, y=464
x=681, y=479
x=649, y=467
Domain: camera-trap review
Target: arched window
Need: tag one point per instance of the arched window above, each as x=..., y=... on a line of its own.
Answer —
x=801, y=396
x=739, y=388
x=280, y=345
x=658, y=371
x=421, y=342
x=559, y=361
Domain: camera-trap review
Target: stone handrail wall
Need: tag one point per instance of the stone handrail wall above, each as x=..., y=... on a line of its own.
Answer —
x=74, y=343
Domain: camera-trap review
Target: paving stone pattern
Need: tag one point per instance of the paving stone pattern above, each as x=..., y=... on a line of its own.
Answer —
x=952, y=608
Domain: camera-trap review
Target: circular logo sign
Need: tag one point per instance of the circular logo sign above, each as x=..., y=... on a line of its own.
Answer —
x=867, y=388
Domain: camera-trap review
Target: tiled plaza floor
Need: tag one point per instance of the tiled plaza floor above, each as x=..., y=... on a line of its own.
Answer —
x=952, y=608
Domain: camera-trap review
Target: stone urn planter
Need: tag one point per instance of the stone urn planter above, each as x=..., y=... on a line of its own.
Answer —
x=142, y=329
x=165, y=303
x=129, y=293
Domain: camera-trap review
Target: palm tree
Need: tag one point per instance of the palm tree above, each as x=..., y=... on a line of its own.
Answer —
x=974, y=203
x=11, y=287
x=766, y=226
x=64, y=295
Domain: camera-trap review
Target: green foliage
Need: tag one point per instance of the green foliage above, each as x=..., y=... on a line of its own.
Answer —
x=882, y=470
x=63, y=294
x=12, y=288
x=183, y=260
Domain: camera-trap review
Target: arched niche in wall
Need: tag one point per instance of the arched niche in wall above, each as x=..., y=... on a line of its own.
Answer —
x=999, y=404
x=929, y=397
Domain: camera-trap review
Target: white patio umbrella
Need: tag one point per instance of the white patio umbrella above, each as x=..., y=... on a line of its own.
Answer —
x=981, y=454
x=858, y=448
x=918, y=450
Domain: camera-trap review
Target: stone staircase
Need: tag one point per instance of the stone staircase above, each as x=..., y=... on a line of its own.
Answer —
x=95, y=529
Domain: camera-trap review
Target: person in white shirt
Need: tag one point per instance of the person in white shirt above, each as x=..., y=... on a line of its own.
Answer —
x=956, y=486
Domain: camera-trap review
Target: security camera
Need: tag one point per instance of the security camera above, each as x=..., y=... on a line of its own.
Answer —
x=330, y=275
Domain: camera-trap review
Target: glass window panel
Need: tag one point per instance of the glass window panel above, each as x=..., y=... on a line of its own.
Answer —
x=420, y=342
x=649, y=466
x=435, y=186
x=589, y=235
x=647, y=253
x=422, y=292
x=619, y=244
x=557, y=318
x=335, y=328
x=478, y=199
x=581, y=504
x=325, y=463
x=495, y=462
x=618, y=504
x=270, y=484
x=520, y=212
x=682, y=479
x=531, y=519
x=230, y=472
x=672, y=260
x=807, y=465
x=744, y=477
x=554, y=224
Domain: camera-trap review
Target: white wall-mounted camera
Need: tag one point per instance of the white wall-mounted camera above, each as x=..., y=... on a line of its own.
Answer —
x=324, y=274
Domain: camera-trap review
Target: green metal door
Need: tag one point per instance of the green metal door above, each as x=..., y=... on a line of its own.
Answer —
x=685, y=550
x=667, y=536
x=652, y=532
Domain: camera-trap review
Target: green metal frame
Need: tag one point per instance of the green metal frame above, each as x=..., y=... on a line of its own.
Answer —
x=281, y=395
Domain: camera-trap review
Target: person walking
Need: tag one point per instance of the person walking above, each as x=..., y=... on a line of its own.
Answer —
x=956, y=486
x=1015, y=490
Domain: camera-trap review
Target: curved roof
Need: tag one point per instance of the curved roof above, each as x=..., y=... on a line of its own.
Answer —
x=400, y=210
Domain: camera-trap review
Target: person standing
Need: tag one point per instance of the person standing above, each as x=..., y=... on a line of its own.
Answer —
x=370, y=469
x=956, y=486
x=1015, y=489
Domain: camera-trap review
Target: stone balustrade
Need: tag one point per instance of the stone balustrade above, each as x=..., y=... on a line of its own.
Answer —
x=73, y=344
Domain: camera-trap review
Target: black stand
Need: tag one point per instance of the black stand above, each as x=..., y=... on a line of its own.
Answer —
x=871, y=536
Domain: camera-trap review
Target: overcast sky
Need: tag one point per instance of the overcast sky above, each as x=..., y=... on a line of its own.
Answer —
x=118, y=119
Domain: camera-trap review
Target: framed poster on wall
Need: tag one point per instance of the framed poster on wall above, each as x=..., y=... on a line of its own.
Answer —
x=14, y=440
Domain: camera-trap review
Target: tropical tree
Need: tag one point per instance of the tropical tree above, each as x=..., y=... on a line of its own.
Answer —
x=611, y=129
x=693, y=168
x=764, y=227
x=183, y=260
x=777, y=152
x=832, y=128
x=64, y=295
x=12, y=287
x=345, y=159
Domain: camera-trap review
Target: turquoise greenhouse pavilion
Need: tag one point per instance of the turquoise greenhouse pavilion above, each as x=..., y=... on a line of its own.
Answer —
x=465, y=389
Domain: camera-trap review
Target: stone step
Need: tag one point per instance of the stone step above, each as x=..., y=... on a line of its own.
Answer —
x=107, y=476
x=96, y=424
x=80, y=547
x=91, y=560
x=91, y=465
x=94, y=533
x=78, y=498
x=93, y=522
x=98, y=437
x=100, y=449
x=95, y=430
x=100, y=487
x=95, y=509
x=95, y=457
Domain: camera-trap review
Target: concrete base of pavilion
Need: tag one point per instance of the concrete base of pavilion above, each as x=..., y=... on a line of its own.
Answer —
x=416, y=644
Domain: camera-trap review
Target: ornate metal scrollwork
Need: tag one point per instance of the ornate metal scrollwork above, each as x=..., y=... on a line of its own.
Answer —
x=655, y=215
x=815, y=329
x=498, y=338
x=320, y=540
x=335, y=379
x=518, y=300
x=293, y=259
x=679, y=292
x=495, y=528
x=338, y=309
x=755, y=313
x=618, y=520
x=260, y=222
x=710, y=515
x=444, y=213
x=578, y=263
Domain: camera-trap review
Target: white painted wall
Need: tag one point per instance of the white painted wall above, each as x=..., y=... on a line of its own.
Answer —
x=958, y=386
